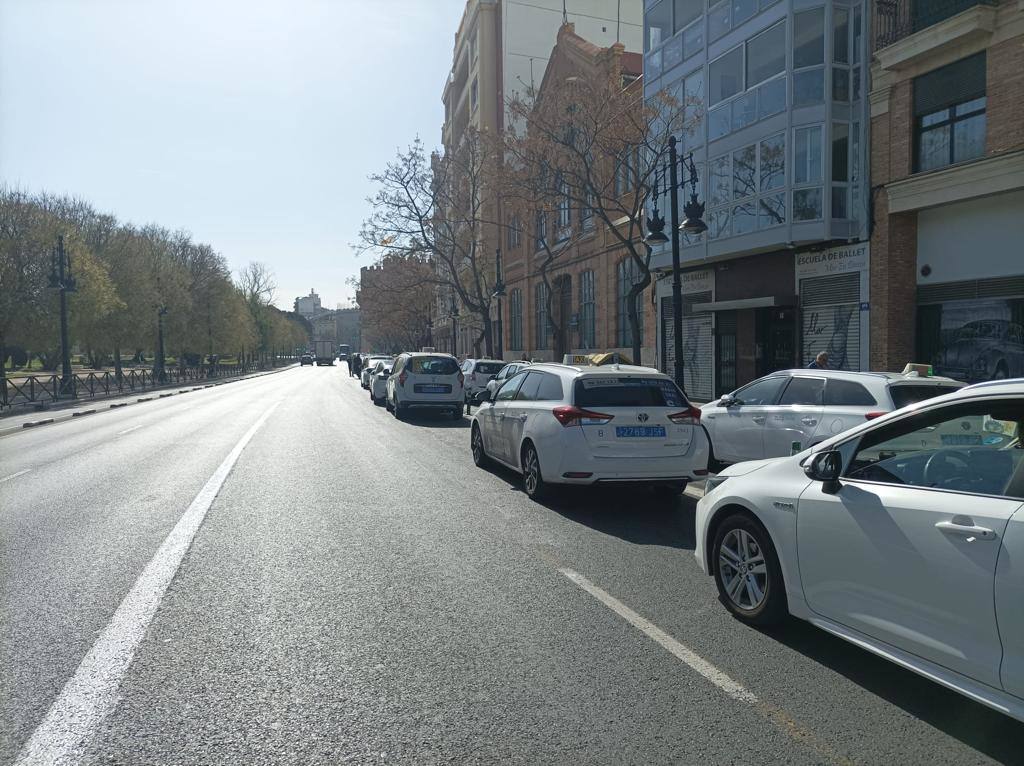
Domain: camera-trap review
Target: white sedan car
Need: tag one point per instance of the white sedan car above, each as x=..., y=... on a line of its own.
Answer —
x=904, y=536
x=561, y=424
x=379, y=381
x=369, y=364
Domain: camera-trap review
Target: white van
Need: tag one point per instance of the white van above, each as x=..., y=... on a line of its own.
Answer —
x=426, y=382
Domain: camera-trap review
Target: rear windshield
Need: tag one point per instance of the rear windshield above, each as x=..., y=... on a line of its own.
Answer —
x=628, y=392
x=489, y=368
x=904, y=395
x=433, y=365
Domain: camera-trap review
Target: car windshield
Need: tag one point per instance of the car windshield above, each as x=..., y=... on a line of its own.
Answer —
x=433, y=365
x=905, y=394
x=488, y=368
x=602, y=391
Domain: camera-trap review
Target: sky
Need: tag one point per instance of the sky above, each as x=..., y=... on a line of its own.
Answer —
x=252, y=124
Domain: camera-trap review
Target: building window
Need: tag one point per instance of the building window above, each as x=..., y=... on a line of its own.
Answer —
x=515, y=310
x=625, y=169
x=514, y=233
x=628, y=275
x=542, y=328
x=808, y=57
x=687, y=11
x=807, y=172
x=587, y=212
x=755, y=83
x=949, y=114
x=745, y=186
x=657, y=24
x=473, y=92
x=588, y=311
x=564, y=211
x=541, y=234
x=840, y=169
x=726, y=73
x=766, y=54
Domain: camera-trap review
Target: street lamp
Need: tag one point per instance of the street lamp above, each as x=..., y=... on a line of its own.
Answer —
x=454, y=310
x=158, y=364
x=61, y=280
x=692, y=224
x=499, y=293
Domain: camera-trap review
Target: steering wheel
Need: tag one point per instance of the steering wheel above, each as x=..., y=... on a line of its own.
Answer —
x=940, y=459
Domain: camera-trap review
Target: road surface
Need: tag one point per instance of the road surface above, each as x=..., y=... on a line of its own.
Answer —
x=277, y=571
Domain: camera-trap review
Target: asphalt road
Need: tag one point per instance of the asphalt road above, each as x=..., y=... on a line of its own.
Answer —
x=334, y=586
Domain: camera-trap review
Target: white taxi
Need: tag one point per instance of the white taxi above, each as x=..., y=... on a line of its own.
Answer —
x=569, y=424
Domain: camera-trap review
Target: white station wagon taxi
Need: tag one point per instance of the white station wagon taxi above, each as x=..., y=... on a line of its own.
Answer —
x=575, y=424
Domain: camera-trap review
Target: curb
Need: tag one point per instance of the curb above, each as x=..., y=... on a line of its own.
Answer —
x=119, y=404
x=80, y=413
x=34, y=423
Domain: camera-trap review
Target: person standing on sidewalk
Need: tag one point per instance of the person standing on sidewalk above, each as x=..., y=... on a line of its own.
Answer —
x=349, y=360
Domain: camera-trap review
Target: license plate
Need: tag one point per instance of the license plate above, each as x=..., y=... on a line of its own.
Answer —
x=641, y=431
x=433, y=389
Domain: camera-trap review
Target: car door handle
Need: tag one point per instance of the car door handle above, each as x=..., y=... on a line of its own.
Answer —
x=966, y=530
x=809, y=421
x=759, y=419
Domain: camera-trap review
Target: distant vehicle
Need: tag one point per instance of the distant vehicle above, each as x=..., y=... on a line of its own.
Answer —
x=788, y=411
x=425, y=382
x=379, y=381
x=903, y=536
x=504, y=374
x=986, y=349
x=306, y=359
x=478, y=373
x=585, y=425
x=368, y=364
x=323, y=351
x=344, y=351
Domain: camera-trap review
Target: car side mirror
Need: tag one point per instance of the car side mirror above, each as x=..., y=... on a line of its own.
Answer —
x=826, y=468
x=728, y=401
x=482, y=396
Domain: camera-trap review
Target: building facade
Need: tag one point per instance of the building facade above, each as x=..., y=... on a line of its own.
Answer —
x=775, y=94
x=308, y=306
x=947, y=164
x=501, y=51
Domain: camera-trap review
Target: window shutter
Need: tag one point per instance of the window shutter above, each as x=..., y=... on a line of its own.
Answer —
x=960, y=81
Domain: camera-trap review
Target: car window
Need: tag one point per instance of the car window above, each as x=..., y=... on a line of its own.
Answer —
x=503, y=374
x=466, y=366
x=509, y=389
x=433, y=365
x=528, y=392
x=604, y=391
x=803, y=391
x=848, y=393
x=762, y=391
x=488, y=368
x=972, y=447
x=904, y=395
x=550, y=389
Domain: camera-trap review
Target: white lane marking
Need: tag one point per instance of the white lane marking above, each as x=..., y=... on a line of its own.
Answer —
x=91, y=694
x=14, y=475
x=735, y=690
x=129, y=430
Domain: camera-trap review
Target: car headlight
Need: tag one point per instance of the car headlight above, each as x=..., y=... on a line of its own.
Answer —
x=713, y=483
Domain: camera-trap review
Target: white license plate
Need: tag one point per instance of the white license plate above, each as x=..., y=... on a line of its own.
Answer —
x=650, y=432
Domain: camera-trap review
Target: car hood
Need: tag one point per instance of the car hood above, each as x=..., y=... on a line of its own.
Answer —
x=749, y=466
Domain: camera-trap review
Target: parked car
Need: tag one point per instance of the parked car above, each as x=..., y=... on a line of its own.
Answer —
x=561, y=424
x=788, y=411
x=986, y=349
x=478, y=373
x=903, y=535
x=306, y=359
x=379, y=381
x=368, y=365
x=504, y=374
x=425, y=381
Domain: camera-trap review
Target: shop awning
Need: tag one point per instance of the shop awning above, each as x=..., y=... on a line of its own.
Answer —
x=746, y=303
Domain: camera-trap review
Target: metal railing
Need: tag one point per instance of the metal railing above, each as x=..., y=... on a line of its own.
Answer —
x=896, y=19
x=34, y=389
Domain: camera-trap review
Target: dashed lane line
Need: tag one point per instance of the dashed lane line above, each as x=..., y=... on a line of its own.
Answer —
x=129, y=430
x=91, y=693
x=14, y=475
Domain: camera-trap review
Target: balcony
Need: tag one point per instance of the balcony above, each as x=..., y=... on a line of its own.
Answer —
x=897, y=19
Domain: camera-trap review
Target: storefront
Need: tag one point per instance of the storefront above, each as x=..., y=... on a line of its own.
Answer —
x=698, y=287
x=832, y=286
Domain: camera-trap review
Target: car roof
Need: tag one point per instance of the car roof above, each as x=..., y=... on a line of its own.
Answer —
x=428, y=353
x=891, y=377
x=618, y=370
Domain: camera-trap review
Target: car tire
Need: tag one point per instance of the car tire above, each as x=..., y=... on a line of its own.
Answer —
x=398, y=410
x=533, y=479
x=387, y=404
x=758, y=596
x=476, y=446
x=669, y=491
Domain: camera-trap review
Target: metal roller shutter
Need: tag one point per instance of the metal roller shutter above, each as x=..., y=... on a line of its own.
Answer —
x=698, y=346
x=830, y=320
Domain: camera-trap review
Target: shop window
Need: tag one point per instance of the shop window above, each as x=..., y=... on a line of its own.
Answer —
x=657, y=24
x=949, y=114
x=766, y=54
x=726, y=73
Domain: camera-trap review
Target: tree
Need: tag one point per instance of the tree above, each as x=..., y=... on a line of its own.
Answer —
x=432, y=209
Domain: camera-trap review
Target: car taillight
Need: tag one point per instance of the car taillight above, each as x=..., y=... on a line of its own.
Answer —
x=462, y=380
x=873, y=415
x=688, y=417
x=401, y=379
x=571, y=416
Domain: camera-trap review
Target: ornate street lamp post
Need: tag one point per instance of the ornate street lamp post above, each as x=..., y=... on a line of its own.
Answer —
x=499, y=293
x=692, y=224
x=454, y=310
x=62, y=281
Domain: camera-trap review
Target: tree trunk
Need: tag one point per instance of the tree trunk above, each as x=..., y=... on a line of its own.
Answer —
x=488, y=334
x=3, y=372
x=634, y=327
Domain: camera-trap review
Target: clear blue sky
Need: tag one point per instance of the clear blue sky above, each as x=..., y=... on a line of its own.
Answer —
x=251, y=123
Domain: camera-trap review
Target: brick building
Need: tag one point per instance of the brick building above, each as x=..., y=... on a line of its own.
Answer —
x=947, y=171
x=592, y=273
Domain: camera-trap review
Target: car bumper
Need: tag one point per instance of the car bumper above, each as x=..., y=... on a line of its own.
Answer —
x=432, y=405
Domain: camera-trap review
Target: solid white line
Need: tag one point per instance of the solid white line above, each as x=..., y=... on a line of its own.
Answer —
x=14, y=475
x=129, y=430
x=710, y=672
x=91, y=694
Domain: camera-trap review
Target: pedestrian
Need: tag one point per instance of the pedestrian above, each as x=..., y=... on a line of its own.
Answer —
x=820, y=361
x=358, y=365
x=349, y=360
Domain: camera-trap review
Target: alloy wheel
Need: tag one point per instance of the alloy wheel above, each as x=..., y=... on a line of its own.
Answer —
x=531, y=471
x=744, y=571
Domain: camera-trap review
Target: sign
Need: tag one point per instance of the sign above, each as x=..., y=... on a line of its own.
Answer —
x=700, y=281
x=836, y=260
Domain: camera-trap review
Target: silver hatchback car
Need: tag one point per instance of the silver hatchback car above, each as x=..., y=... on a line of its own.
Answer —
x=788, y=411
